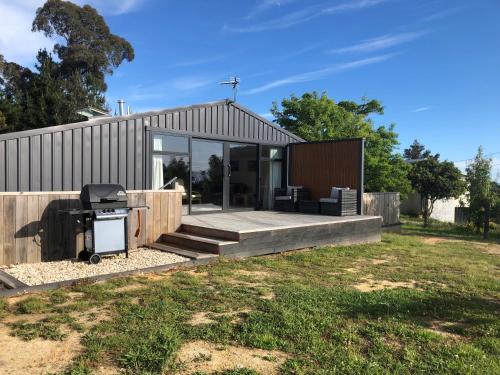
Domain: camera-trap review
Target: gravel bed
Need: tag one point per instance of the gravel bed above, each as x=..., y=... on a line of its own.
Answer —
x=49, y=272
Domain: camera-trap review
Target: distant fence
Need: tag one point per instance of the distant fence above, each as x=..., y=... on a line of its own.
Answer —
x=382, y=204
x=462, y=215
x=32, y=230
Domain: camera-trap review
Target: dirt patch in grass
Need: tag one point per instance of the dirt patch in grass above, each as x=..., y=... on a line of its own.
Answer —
x=206, y=317
x=434, y=240
x=157, y=276
x=489, y=248
x=441, y=327
x=93, y=316
x=200, y=318
x=205, y=357
x=75, y=295
x=254, y=273
x=107, y=370
x=197, y=273
x=14, y=300
x=130, y=287
x=352, y=270
x=369, y=284
x=36, y=356
x=268, y=295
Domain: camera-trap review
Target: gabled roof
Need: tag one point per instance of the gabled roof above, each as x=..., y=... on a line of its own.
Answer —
x=104, y=120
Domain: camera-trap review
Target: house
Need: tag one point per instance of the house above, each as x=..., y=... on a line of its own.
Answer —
x=227, y=156
x=444, y=210
x=219, y=159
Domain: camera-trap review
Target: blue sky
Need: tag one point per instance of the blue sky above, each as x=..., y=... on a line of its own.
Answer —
x=434, y=64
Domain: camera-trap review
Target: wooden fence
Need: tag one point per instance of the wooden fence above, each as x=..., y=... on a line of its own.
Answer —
x=382, y=204
x=32, y=230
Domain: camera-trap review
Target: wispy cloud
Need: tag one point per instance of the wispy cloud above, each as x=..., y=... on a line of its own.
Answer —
x=421, y=109
x=267, y=115
x=304, y=15
x=381, y=42
x=177, y=87
x=191, y=83
x=200, y=61
x=266, y=5
x=443, y=14
x=114, y=7
x=317, y=74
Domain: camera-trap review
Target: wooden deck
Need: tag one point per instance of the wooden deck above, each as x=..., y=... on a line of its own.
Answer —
x=264, y=232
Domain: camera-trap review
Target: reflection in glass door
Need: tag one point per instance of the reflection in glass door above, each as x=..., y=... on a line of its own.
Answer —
x=207, y=179
x=242, y=176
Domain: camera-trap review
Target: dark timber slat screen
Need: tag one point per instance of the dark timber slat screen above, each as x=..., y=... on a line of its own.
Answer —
x=318, y=166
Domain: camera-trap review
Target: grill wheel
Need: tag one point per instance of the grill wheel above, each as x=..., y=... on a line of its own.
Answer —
x=95, y=259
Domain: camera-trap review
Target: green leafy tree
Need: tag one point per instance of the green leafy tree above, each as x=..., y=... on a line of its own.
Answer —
x=3, y=124
x=479, y=191
x=416, y=151
x=89, y=52
x=316, y=117
x=495, y=208
x=434, y=180
x=86, y=53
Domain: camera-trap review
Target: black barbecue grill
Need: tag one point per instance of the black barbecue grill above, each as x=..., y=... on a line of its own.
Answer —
x=104, y=218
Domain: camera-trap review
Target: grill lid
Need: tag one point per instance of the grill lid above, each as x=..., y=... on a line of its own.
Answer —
x=95, y=196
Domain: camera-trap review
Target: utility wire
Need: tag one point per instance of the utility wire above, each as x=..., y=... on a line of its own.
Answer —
x=472, y=158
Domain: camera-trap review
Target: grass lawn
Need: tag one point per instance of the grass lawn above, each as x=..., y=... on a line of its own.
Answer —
x=424, y=301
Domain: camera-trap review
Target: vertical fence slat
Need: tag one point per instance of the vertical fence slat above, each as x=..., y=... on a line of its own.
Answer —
x=385, y=204
x=2, y=224
x=9, y=229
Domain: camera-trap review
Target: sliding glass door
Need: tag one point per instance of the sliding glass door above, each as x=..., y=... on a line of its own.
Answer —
x=207, y=176
x=242, y=176
x=215, y=176
x=271, y=174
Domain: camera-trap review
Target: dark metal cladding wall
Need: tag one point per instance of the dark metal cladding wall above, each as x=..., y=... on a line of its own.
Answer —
x=112, y=150
x=221, y=121
x=67, y=159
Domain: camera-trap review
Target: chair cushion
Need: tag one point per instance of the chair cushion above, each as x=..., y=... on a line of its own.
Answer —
x=283, y=198
x=329, y=200
x=334, y=193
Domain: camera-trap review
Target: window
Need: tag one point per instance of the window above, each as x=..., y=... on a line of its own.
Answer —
x=170, y=160
x=270, y=152
x=170, y=143
x=271, y=174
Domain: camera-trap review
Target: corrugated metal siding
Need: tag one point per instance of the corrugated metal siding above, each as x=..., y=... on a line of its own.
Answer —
x=222, y=121
x=112, y=150
x=66, y=160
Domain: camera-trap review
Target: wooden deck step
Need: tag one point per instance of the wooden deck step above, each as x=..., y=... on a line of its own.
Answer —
x=208, y=244
x=181, y=251
x=202, y=231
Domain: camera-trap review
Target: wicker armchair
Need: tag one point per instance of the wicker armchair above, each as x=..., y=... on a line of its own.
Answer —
x=286, y=199
x=342, y=202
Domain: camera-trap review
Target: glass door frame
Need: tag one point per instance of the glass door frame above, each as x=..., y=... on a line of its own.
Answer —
x=227, y=176
x=226, y=162
x=215, y=141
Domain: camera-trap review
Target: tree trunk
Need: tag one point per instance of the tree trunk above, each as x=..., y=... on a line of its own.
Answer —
x=428, y=205
x=486, y=223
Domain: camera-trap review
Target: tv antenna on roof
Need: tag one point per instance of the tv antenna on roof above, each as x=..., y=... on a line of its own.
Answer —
x=234, y=82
